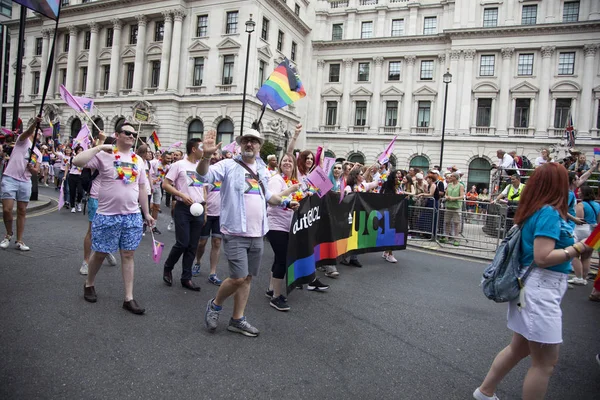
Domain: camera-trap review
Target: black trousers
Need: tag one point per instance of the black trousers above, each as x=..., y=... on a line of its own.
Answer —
x=187, y=234
x=279, y=243
x=75, y=189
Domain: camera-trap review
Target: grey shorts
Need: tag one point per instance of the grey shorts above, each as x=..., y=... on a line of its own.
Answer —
x=244, y=255
x=13, y=189
x=452, y=216
x=156, y=195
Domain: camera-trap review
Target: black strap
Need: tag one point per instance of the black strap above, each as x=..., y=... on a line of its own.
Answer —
x=253, y=176
x=593, y=209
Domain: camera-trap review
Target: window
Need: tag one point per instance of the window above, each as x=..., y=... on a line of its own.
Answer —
x=106, y=77
x=87, y=38
x=356, y=158
x=479, y=173
x=486, y=65
x=331, y=115
x=561, y=112
x=566, y=63
x=334, y=72
x=202, y=27
x=195, y=129
x=225, y=132
x=36, y=82
x=198, y=71
x=63, y=76
x=38, y=46
x=427, y=70
x=129, y=67
x=529, y=15
x=571, y=11
x=484, y=112
x=424, y=114
x=294, y=50
x=280, y=41
x=430, y=26
x=522, y=113
x=75, y=127
x=361, y=113
x=420, y=162
x=155, y=74
x=397, y=27
x=110, y=33
x=232, y=22
x=262, y=66
x=159, y=31
x=337, y=32
x=394, y=71
x=84, y=74
x=64, y=2
x=66, y=43
x=525, y=66
x=366, y=30
x=490, y=17
x=228, y=70
x=391, y=113
x=297, y=9
x=363, y=72
x=133, y=33
x=264, y=33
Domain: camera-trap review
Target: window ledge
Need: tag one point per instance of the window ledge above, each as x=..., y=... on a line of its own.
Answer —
x=398, y=81
x=229, y=34
x=525, y=77
x=266, y=41
x=486, y=77
x=426, y=80
x=565, y=76
x=361, y=82
x=201, y=37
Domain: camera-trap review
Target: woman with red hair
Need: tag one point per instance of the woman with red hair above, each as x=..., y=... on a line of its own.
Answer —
x=306, y=163
x=548, y=245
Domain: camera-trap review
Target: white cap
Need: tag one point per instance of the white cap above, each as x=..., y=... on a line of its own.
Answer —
x=435, y=171
x=419, y=176
x=250, y=132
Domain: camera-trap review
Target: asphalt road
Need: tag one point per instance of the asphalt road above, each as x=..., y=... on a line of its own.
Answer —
x=419, y=329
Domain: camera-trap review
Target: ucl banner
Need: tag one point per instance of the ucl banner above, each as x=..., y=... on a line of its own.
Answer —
x=324, y=229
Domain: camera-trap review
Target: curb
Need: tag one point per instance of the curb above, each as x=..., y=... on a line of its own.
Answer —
x=44, y=201
x=449, y=253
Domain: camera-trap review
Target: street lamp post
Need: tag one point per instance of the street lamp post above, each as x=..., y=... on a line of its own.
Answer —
x=447, y=80
x=249, y=29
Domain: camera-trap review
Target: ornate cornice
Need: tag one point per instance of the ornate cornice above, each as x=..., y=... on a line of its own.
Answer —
x=117, y=24
x=547, y=51
x=589, y=50
x=469, y=54
x=507, y=52
x=387, y=41
x=524, y=30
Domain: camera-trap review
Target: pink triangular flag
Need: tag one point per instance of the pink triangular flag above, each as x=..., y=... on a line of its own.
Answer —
x=385, y=156
x=61, y=196
x=157, y=249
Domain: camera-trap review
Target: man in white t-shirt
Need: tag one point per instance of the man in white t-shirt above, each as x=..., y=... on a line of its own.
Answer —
x=118, y=223
x=506, y=162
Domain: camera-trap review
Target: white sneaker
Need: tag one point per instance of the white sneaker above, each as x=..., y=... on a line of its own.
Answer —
x=384, y=255
x=22, y=246
x=391, y=258
x=73, y=210
x=78, y=207
x=480, y=396
x=111, y=259
x=578, y=281
x=171, y=226
x=5, y=242
x=84, y=268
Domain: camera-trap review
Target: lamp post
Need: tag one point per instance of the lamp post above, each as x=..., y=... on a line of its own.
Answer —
x=249, y=29
x=447, y=80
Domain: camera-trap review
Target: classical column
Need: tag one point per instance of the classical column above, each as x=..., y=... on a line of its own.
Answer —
x=380, y=25
x=467, y=86
x=115, y=55
x=585, y=120
x=176, y=49
x=412, y=18
x=140, y=55
x=510, y=12
x=347, y=84
x=317, y=97
x=551, y=12
x=503, y=109
x=166, y=52
x=90, y=85
x=50, y=94
x=349, y=34
x=376, y=99
x=594, y=10
x=71, y=62
x=542, y=120
x=453, y=106
x=44, y=60
x=409, y=66
x=458, y=5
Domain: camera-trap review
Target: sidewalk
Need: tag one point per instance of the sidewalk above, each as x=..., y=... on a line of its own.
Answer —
x=42, y=202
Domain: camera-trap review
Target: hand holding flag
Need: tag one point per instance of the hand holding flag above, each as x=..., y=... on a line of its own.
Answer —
x=385, y=156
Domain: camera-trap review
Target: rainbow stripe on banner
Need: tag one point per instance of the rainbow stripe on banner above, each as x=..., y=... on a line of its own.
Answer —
x=597, y=151
x=594, y=239
x=282, y=88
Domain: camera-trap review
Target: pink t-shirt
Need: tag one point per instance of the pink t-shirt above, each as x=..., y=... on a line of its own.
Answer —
x=254, y=202
x=63, y=160
x=17, y=165
x=95, y=187
x=115, y=197
x=185, y=179
x=280, y=219
x=213, y=200
x=158, y=171
x=75, y=170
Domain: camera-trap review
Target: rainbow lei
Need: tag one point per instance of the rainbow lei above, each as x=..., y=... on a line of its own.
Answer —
x=297, y=195
x=119, y=167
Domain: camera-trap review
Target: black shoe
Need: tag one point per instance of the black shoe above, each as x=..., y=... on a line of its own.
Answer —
x=156, y=231
x=317, y=286
x=133, y=307
x=190, y=285
x=168, y=278
x=355, y=263
x=298, y=286
x=279, y=303
x=269, y=294
x=89, y=294
x=344, y=261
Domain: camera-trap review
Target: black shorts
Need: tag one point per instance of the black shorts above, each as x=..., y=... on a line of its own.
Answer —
x=212, y=227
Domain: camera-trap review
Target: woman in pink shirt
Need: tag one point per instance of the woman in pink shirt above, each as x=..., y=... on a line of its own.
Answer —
x=75, y=184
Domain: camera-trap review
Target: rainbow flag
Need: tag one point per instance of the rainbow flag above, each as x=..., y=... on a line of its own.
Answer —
x=154, y=139
x=597, y=151
x=216, y=187
x=594, y=239
x=282, y=88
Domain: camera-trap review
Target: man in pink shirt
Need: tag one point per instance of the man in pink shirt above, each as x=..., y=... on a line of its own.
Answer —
x=186, y=187
x=118, y=222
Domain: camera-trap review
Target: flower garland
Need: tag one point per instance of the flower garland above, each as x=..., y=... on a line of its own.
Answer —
x=119, y=167
x=297, y=195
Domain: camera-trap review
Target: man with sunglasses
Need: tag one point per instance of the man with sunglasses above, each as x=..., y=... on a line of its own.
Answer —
x=118, y=223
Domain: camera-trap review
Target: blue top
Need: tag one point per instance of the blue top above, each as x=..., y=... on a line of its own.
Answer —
x=591, y=209
x=546, y=222
x=572, y=204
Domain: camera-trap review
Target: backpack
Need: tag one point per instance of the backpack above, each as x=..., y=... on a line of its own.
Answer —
x=503, y=279
x=87, y=177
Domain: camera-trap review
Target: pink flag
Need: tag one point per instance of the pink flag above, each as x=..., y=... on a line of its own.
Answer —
x=175, y=145
x=328, y=164
x=85, y=102
x=7, y=131
x=342, y=187
x=83, y=138
x=318, y=156
x=61, y=196
x=47, y=132
x=385, y=156
x=237, y=150
x=230, y=147
x=319, y=179
x=70, y=100
x=157, y=249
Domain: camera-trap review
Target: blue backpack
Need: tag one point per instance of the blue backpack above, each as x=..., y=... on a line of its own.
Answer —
x=503, y=278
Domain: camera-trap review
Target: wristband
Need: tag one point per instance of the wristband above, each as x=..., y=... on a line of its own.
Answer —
x=567, y=253
x=577, y=249
x=285, y=203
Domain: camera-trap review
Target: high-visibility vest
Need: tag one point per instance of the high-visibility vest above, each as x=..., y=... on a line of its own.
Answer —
x=518, y=193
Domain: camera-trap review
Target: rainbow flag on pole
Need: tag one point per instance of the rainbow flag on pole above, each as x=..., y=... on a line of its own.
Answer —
x=594, y=239
x=154, y=139
x=282, y=88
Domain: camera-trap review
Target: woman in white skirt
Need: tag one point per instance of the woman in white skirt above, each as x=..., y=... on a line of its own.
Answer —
x=547, y=240
x=589, y=211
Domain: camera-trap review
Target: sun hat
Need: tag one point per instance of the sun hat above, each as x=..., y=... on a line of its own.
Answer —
x=419, y=176
x=250, y=133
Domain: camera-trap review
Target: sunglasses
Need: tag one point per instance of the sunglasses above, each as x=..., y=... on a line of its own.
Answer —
x=129, y=133
x=249, y=140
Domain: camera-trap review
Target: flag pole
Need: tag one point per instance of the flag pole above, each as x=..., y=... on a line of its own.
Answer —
x=264, y=107
x=19, y=71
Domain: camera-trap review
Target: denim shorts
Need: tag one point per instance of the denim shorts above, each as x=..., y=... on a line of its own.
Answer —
x=113, y=232
x=15, y=190
x=156, y=196
x=92, y=207
x=213, y=226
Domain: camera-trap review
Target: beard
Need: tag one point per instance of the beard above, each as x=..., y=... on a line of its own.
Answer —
x=248, y=154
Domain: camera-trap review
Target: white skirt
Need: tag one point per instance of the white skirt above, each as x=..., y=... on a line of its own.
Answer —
x=540, y=320
x=582, y=232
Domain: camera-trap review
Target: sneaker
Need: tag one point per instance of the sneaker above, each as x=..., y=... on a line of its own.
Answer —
x=156, y=231
x=5, y=242
x=111, y=259
x=456, y=243
x=196, y=269
x=480, y=396
x=443, y=240
x=211, y=317
x=212, y=278
x=384, y=255
x=171, y=226
x=84, y=268
x=331, y=271
x=390, y=258
x=269, y=293
x=242, y=326
x=73, y=210
x=317, y=286
x=355, y=263
x=321, y=268
x=78, y=207
x=22, y=246
x=279, y=303
x=578, y=281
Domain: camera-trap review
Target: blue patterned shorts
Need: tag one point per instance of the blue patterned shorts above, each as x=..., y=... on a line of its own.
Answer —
x=113, y=232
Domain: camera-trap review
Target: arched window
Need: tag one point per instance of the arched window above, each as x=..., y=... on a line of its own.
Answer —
x=356, y=158
x=75, y=127
x=119, y=122
x=420, y=162
x=329, y=153
x=195, y=129
x=225, y=132
x=479, y=174
x=100, y=123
